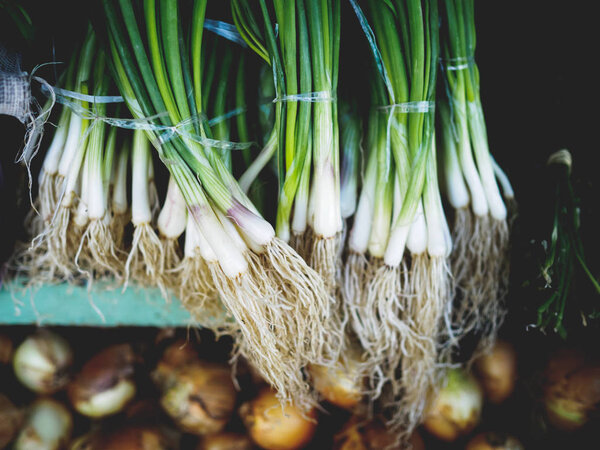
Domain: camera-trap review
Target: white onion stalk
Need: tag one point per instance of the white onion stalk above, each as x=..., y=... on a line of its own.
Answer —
x=195, y=286
x=259, y=163
x=145, y=262
x=97, y=248
x=121, y=214
x=48, y=426
x=171, y=224
x=42, y=362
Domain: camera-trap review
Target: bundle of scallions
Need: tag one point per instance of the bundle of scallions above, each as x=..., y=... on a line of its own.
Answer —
x=361, y=268
x=472, y=183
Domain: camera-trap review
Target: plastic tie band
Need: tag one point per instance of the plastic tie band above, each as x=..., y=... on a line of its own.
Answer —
x=458, y=63
x=410, y=107
x=225, y=30
x=311, y=97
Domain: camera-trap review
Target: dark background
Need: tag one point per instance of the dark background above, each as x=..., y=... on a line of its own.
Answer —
x=539, y=89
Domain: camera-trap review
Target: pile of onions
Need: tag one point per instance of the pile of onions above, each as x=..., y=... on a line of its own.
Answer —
x=362, y=434
x=457, y=408
x=276, y=427
x=42, y=362
x=571, y=390
x=497, y=372
x=225, y=441
x=10, y=420
x=494, y=441
x=198, y=395
x=48, y=426
x=105, y=383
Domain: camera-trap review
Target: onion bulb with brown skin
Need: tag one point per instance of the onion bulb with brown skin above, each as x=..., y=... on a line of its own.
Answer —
x=457, y=408
x=497, y=372
x=199, y=397
x=571, y=390
x=176, y=356
x=42, y=362
x=105, y=383
x=342, y=384
x=276, y=427
x=47, y=426
x=11, y=418
x=6, y=349
x=362, y=434
x=225, y=441
x=494, y=441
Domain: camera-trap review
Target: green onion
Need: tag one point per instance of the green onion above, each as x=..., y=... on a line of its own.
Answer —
x=480, y=231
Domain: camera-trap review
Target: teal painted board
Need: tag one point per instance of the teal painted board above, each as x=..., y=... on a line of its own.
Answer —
x=65, y=304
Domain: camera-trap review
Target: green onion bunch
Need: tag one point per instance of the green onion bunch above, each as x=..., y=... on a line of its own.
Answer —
x=472, y=183
x=273, y=296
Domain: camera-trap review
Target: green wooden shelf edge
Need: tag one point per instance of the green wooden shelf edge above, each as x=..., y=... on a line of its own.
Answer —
x=69, y=305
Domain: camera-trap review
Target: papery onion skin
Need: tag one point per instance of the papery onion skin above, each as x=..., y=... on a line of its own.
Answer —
x=497, y=372
x=42, y=362
x=225, y=441
x=494, y=441
x=176, y=356
x=457, y=408
x=48, y=426
x=200, y=398
x=571, y=390
x=274, y=427
x=105, y=385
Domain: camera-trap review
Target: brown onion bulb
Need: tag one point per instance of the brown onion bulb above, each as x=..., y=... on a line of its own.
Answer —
x=494, y=441
x=11, y=418
x=133, y=437
x=342, y=384
x=225, y=441
x=362, y=434
x=274, y=427
x=48, y=426
x=6, y=349
x=42, y=362
x=105, y=384
x=572, y=389
x=176, y=356
x=457, y=408
x=497, y=372
x=201, y=397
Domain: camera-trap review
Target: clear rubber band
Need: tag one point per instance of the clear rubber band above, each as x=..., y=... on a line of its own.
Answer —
x=458, y=63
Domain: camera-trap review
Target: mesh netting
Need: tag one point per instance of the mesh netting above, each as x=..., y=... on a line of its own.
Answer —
x=15, y=93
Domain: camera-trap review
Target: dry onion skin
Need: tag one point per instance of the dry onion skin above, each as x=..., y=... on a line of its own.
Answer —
x=199, y=397
x=48, y=426
x=572, y=389
x=361, y=434
x=225, y=441
x=11, y=418
x=456, y=410
x=497, y=372
x=105, y=384
x=176, y=356
x=276, y=427
x=6, y=349
x=42, y=362
x=494, y=441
